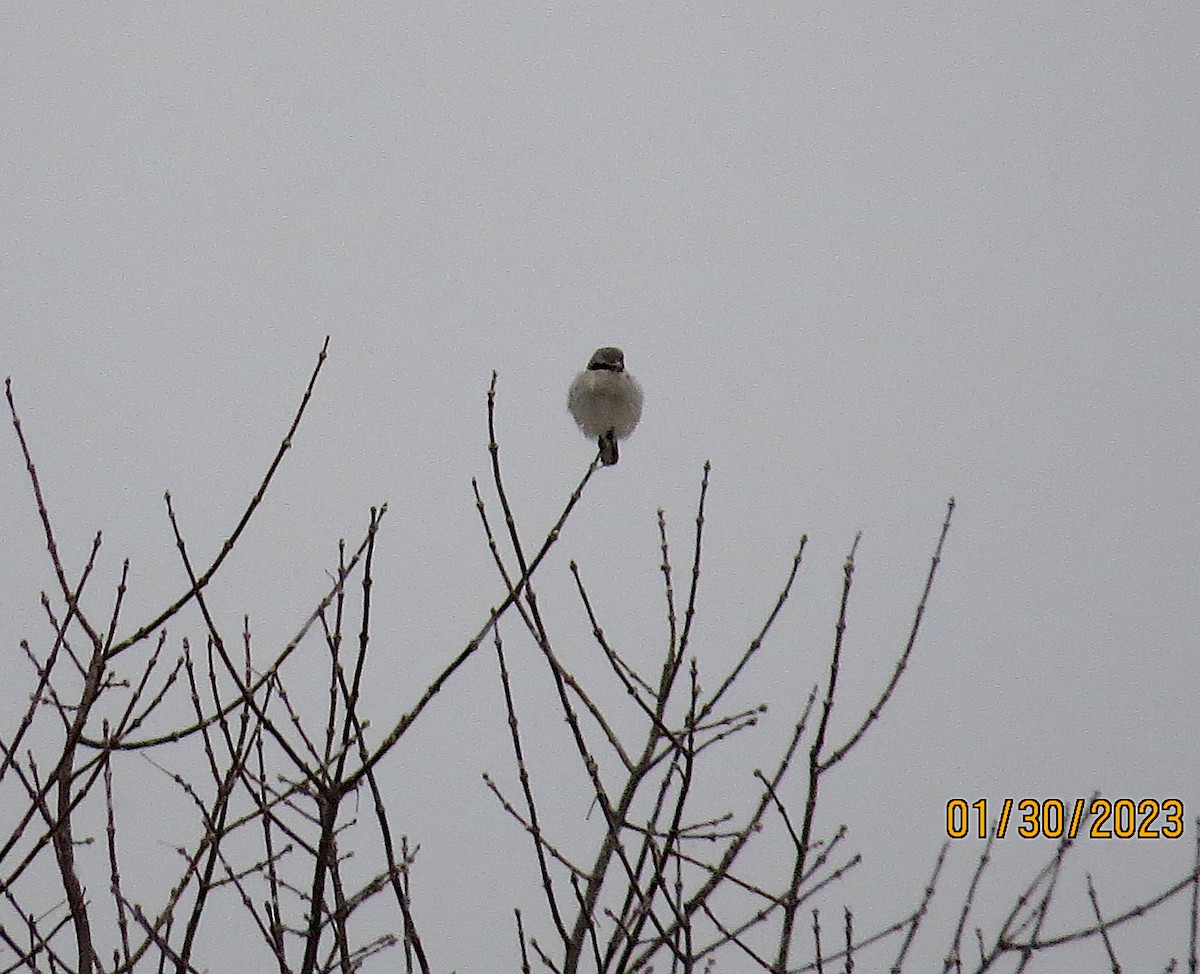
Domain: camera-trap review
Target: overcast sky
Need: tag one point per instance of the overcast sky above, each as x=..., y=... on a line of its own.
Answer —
x=862, y=256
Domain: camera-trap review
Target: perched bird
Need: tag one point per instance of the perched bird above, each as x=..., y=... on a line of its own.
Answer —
x=606, y=401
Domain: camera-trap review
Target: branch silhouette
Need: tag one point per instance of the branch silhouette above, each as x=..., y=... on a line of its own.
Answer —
x=269, y=779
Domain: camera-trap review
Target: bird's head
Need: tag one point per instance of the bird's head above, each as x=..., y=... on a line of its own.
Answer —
x=608, y=359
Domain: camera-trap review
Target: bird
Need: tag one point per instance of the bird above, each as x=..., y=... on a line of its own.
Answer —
x=606, y=401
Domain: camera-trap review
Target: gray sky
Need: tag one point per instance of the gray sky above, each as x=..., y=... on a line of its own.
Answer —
x=862, y=256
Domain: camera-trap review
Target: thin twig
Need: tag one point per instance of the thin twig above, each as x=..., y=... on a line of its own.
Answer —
x=205, y=577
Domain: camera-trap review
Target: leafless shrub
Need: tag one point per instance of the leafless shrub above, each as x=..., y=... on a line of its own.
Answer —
x=662, y=887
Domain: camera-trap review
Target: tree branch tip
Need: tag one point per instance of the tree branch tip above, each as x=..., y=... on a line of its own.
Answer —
x=853, y=549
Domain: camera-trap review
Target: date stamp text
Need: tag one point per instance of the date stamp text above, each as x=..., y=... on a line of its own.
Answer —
x=1053, y=818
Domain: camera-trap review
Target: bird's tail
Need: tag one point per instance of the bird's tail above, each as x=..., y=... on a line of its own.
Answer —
x=608, y=449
